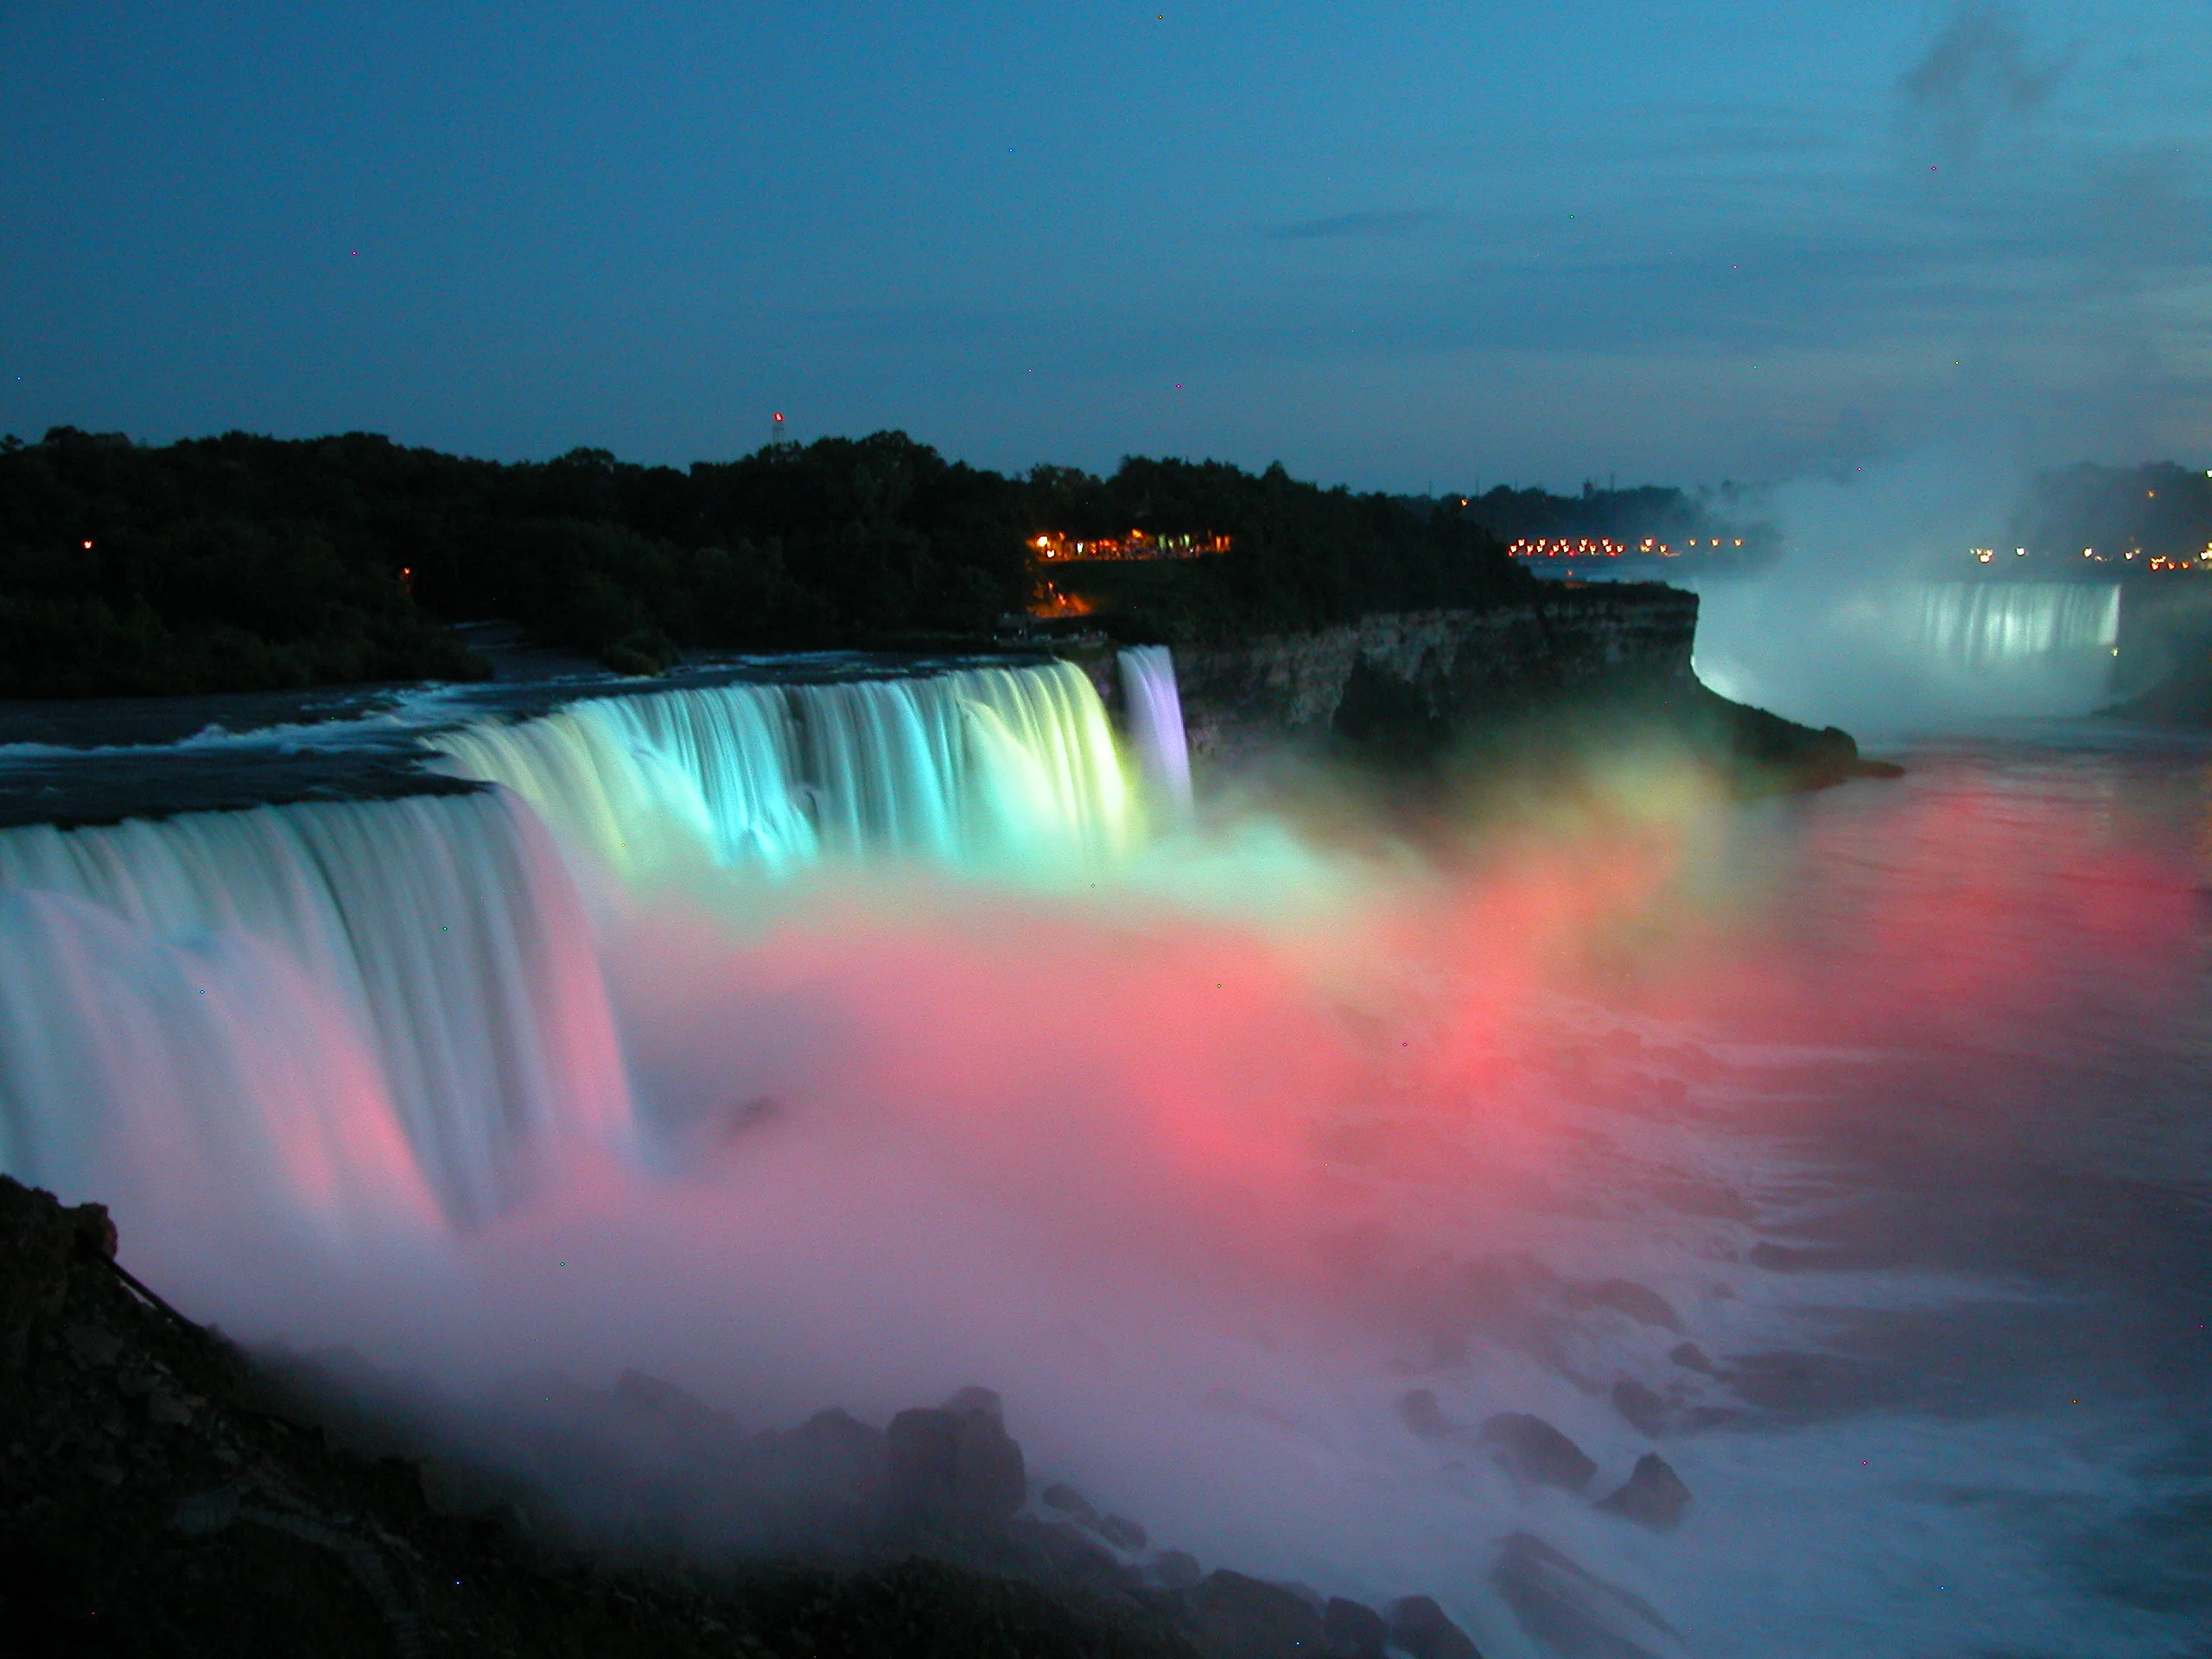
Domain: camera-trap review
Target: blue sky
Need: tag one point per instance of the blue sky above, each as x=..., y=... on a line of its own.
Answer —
x=1390, y=245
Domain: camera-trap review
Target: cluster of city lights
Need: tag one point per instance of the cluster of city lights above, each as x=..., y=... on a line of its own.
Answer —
x=1053, y=546
x=2156, y=561
x=1603, y=547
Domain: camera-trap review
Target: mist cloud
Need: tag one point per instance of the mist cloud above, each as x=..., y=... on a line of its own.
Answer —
x=1977, y=72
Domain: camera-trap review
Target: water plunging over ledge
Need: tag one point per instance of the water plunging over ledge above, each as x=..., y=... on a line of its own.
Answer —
x=851, y=1040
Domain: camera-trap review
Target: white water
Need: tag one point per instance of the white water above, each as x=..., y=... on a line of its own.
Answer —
x=1155, y=708
x=410, y=975
x=1014, y=769
x=1883, y=656
x=1192, y=1165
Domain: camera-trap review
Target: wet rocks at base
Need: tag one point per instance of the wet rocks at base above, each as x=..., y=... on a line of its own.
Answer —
x=161, y=1491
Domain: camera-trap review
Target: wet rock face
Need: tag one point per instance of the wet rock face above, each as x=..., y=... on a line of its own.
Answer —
x=1177, y=1569
x=1640, y=1406
x=1064, y=1498
x=954, y=1464
x=1423, y=1630
x=1419, y=1413
x=1121, y=1532
x=1639, y=1302
x=1571, y=1613
x=157, y=1497
x=1351, y=1630
x=1239, y=1618
x=1533, y=1452
x=1653, y=1496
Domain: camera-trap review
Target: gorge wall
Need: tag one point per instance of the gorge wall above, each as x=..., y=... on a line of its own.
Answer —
x=1395, y=680
x=1604, y=661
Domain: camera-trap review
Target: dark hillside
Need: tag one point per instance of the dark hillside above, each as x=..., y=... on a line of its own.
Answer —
x=243, y=563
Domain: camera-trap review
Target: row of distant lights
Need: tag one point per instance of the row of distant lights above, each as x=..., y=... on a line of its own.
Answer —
x=1602, y=546
x=2158, y=562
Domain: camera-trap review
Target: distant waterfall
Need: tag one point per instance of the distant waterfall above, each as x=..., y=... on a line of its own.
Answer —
x=1999, y=624
x=987, y=765
x=1155, y=717
x=399, y=995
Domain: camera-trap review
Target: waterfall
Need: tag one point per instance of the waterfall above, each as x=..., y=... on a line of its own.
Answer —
x=1998, y=624
x=399, y=1004
x=1155, y=717
x=401, y=993
x=987, y=766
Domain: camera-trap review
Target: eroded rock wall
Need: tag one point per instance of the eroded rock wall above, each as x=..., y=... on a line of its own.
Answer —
x=1417, y=674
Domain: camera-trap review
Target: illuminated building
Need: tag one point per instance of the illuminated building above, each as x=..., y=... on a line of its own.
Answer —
x=1052, y=547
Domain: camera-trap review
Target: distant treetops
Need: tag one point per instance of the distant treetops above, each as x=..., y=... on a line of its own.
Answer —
x=244, y=562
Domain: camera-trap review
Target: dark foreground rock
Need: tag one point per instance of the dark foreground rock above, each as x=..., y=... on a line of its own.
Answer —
x=152, y=1502
x=1241, y=1618
x=1574, y=1614
x=1653, y=1496
x=955, y=1464
x=1422, y=1629
x=1533, y=1452
x=1351, y=1630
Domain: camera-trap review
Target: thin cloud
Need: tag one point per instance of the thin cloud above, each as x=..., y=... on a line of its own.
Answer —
x=1357, y=227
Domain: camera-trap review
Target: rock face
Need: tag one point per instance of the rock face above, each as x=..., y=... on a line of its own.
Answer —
x=1420, y=1413
x=1239, y=1618
x=1121, y=1532
x=1641, y=1406
x=1574, y=1614
x=1653, y=1497
x=1351, y=1630
x=1640, y=1302
x=155, y=1500
x=1422, y=1629
x=1533, y=1452
x=1403, y=688
x=954, y=1464
x=1428, y=666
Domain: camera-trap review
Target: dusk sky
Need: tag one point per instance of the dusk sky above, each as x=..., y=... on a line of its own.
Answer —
x=1390, y=245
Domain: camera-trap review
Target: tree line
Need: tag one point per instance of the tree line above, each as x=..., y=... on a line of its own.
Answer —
x=244, y=562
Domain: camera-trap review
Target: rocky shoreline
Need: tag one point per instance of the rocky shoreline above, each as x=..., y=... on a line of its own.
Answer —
x=163, y=1493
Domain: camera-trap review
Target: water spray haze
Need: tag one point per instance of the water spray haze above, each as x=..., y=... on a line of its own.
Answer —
x=1257, y=1171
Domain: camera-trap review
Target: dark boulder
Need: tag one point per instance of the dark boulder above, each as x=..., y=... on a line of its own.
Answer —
x=1419, y=1413
x=1533, y=1452
x=1653, y=1497
x=1121, y=1532
x=1640, y=1302
x=1572, y=1612
x=1177, y=1569
x=1063, y=1497
x=1240, y=1617
x=1641, y=1406
x=1076, y=1557
x=1691, y=1358
x=1424, y=1631
x=955, y=1466
x=1351, y=1630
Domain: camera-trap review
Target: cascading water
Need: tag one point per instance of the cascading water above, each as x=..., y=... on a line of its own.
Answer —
x=1995, y=624
x=401, y=1001
x=1155, y=717
x=1882, y=656
x=1255, y=1179
x=1011, y=768
x=330, y=984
